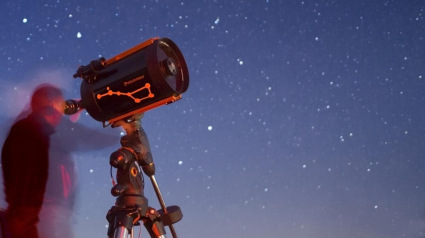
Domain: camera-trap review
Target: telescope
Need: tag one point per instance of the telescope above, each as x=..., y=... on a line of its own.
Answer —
x=149, y=75
x=118, y=91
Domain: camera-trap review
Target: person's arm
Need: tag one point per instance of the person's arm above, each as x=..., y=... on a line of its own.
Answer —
x=75, y=137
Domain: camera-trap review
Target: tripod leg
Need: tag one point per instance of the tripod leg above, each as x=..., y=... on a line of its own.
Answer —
x=121, y=232
x=161, y=202
x=153, y=224
x=154, y=228
x=121, y=221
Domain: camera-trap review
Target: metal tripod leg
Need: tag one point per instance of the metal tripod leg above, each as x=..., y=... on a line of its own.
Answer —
x=162, y=203
x=121, y=232
x=122, y=220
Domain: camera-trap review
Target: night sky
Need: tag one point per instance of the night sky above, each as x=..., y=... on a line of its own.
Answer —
x=303, y=119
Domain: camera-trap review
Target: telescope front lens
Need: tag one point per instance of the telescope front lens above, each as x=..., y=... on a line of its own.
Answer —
x=171, y=67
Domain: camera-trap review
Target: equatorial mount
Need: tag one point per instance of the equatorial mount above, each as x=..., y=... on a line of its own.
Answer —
x=131, y=205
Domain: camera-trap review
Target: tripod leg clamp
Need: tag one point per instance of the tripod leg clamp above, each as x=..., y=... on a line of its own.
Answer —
x=122, y=216
x=153, y=223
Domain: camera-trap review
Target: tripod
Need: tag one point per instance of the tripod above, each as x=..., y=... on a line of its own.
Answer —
x=131, y=205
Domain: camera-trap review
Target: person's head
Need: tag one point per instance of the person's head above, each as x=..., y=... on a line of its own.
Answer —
x=47, y=100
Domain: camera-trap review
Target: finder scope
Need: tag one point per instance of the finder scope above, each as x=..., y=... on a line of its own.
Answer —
x=149, y=75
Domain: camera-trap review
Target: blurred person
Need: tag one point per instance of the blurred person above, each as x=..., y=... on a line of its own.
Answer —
x=59, y=169
x=62, y=185
x=25, y=161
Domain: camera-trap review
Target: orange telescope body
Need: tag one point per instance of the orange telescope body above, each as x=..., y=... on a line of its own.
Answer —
x=149, y=75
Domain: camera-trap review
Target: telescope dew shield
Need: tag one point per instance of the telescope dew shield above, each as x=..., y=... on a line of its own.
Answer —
x=146, y=76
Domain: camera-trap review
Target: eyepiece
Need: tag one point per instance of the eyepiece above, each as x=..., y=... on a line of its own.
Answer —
x=72, y=107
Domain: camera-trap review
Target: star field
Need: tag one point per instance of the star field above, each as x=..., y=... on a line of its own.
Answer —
x=302, y=118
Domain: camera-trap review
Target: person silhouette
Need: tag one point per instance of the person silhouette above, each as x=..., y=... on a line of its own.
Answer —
x=62, y=185
x=25, y=161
